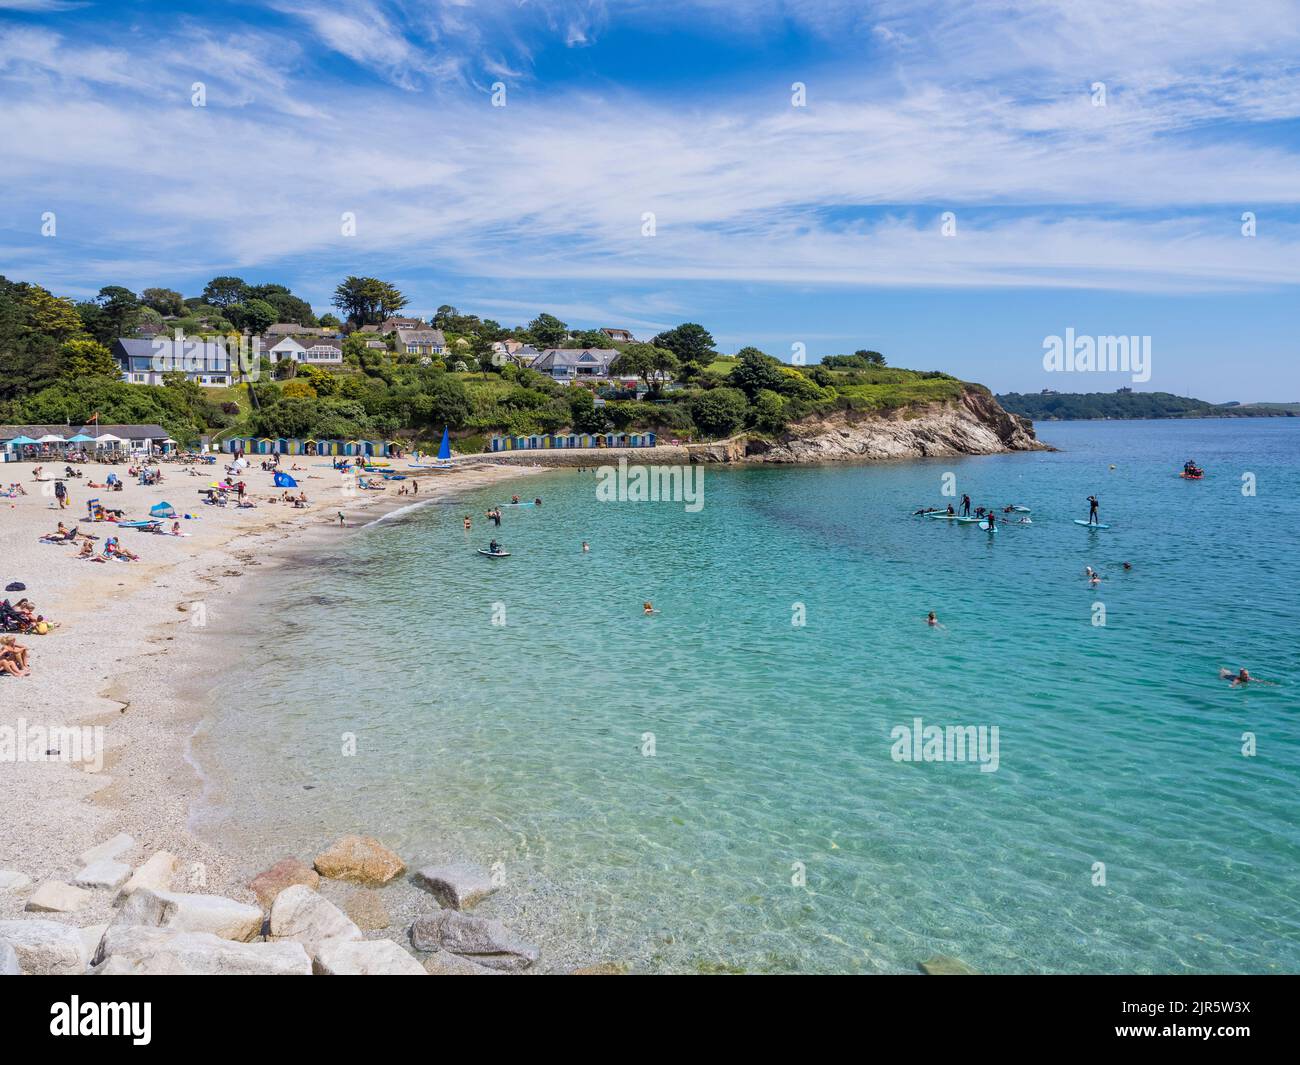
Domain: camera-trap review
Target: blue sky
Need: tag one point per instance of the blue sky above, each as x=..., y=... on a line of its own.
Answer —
x=775, y=224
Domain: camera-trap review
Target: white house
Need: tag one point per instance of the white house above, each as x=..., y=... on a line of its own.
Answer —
x=320, y=351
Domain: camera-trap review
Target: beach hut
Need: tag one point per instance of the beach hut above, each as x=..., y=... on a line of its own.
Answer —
x=282, y=445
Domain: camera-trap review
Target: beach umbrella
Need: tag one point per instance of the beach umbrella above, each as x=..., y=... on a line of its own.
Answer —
x=283, y=480
x=81, y=438
x=51, y=438
x=19, y=441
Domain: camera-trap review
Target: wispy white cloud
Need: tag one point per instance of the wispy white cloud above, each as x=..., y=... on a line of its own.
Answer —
x=1145, y=193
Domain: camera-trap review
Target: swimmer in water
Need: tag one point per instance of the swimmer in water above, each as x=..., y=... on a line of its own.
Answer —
x=586, y=546
x=467, y=522
x=933, y=621
x=514, y=499
x=1239, y=678
x=647, y=608
x=1128, y=566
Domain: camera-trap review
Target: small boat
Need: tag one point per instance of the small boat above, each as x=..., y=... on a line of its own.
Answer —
x=493, y=554
x=444, y=455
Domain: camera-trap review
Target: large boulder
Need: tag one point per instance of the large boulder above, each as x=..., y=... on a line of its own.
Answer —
x=284, y=873
x=477, y=938
x=45, y=948
x=376, y=957
x=456, y=887
x=54, y=896
x=156, y=874
x=361, y=860
x=298, y=913
x=105, y=874
x=109, y=849
x=137, y=950
x=181, y=912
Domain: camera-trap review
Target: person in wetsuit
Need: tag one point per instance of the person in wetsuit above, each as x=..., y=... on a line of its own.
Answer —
x=1093, y=503
x=965, y=506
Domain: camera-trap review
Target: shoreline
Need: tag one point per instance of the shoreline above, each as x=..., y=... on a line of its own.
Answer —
x=115, y=661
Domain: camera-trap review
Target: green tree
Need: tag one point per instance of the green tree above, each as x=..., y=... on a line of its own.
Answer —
x=652, y=364
x=367, y=300
x=87, y=358
x=719, y=412
x=225, y=291
x=548, y=331
x=585, y=416
x=689, y=342
x=769, y=412
x=165, y=301
x=755, y=372
x=330, y=321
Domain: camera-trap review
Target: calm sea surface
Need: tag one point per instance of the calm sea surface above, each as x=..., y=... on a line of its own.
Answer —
x=714, y=787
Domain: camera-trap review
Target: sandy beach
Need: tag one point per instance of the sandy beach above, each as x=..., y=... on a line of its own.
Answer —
x=127, y=638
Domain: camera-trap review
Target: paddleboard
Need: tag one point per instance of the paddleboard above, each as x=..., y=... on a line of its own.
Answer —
x=494, y=554
x=1021, y=510
x=946, y=517
x=1090, y=524
x=987, y=527
x=969, y=520
x=516, y=504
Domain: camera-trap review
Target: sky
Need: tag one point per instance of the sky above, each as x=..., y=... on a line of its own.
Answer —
x=949, y=182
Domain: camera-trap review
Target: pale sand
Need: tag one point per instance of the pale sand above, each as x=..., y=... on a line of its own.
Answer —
x=120, y=655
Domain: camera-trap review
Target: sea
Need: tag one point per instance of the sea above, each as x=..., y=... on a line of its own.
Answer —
x=785, y=768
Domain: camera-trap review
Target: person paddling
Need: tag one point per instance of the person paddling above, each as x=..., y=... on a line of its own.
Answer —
x=965, y=506
x=1093, y=504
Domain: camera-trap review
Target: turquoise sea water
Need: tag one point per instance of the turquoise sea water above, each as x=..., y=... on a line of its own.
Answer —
x=525, y=743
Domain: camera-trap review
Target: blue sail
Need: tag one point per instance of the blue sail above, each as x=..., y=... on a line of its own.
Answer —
x=444, y=449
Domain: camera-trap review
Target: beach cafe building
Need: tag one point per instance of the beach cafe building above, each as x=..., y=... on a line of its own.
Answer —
x=250, y=445
x=52, y=441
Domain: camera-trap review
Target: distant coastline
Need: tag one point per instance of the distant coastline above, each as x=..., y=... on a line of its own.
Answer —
x=1123, y=405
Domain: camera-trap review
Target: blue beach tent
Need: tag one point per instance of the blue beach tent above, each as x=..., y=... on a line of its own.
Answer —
x=283, y=480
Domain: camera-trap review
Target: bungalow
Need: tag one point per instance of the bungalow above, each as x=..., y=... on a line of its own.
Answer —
x=316, y=350
x=286, y=329
x=143, y=362
x=421, y=341
x=567, y=364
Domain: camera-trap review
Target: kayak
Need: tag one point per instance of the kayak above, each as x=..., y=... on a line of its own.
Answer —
x=494, y=554
x=986, y=526
x=1090, y=524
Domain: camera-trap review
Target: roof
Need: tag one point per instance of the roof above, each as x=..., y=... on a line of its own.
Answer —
x=422, y=336
x=287, y=328
x=617, y=334
x=127, y=432
x=562, y=358
x=192, y=355
x=388, y=325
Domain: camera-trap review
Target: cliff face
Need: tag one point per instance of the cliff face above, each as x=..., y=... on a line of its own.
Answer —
x=974, y=425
